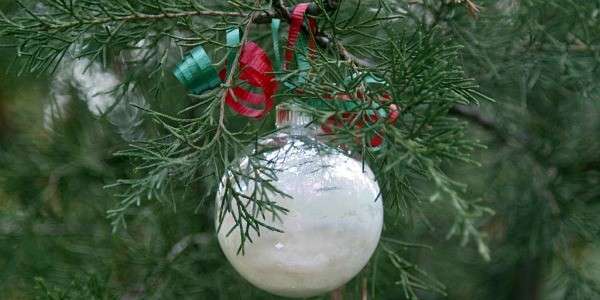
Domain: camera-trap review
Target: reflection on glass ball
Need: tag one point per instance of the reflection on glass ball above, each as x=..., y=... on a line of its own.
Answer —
x=332, y=227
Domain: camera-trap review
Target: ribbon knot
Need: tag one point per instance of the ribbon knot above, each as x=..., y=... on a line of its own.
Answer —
x=198, y=74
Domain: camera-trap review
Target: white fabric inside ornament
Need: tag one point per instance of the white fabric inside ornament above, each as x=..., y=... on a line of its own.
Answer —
x=334, y=221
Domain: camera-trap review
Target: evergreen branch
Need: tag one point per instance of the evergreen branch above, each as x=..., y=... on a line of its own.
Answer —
x=232, y=73
x=411, y=277
x=202, y=149
x=134, y=17
x=328, y=42
x=46, y=21
x=324, y=40
x=475, y=116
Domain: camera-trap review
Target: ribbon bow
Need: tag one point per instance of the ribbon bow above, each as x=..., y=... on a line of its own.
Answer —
x=198, y=74
x=348, y=104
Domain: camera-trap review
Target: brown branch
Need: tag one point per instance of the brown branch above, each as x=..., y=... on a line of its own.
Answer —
x=474, y=116
x=203, y=239
x=283, y=12
x=364, y=290
x=142, y=17
x=338, y=294
x=280, y=9
x=328, y=42
x=263, y=17
x=234, y=66
x=323, y=40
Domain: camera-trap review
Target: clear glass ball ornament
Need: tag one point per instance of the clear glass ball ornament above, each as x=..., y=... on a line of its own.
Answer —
x=334, y=218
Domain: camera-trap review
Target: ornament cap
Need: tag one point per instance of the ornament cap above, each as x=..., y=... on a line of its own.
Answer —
x=292, y=115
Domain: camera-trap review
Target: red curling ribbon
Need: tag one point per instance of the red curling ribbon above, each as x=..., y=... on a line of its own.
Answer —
x=348, y=117
x=257, y=70
x=377, y=139
x=296, y=21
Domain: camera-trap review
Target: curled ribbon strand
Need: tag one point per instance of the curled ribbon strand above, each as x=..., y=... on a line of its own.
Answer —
x=255, y=69
x=296, y=22
x=197, y=73
x=371, y=118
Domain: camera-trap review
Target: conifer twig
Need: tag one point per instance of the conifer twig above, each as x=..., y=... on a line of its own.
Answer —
x=475, y=116
x=230, y=76
x=263, y=17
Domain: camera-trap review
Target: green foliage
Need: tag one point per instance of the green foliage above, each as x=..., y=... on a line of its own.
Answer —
x=92, y=288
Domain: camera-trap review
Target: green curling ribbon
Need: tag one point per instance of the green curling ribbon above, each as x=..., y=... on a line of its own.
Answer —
x=233, y=40
x=196, y=72
x=301, y=57
x=350, y=105
x=275, y=25
x=335, y=105
x=302, y=62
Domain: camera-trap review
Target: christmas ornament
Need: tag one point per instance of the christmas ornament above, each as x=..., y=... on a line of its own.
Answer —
x=334, y=220
x=334, y=217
